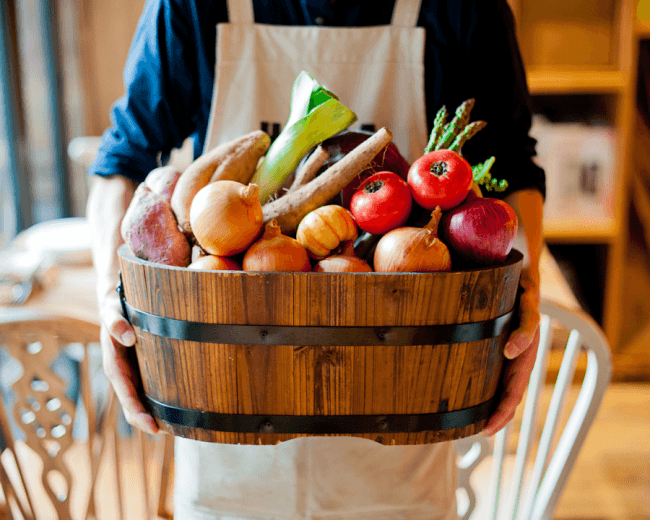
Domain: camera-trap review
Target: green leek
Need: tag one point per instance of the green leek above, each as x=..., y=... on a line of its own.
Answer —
x=315, y=115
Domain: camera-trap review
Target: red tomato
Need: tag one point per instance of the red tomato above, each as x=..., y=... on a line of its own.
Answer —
x=382, y=202
x=440, y=178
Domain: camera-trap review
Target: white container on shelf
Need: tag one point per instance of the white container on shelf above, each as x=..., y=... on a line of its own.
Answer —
x=579, y=161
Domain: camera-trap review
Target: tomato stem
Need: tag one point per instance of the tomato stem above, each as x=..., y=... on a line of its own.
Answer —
x=374, y=187
x=439, y=168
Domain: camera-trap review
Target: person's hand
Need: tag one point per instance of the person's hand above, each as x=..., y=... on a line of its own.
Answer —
x=108, y=200
x=521, y=352
x=116, y=337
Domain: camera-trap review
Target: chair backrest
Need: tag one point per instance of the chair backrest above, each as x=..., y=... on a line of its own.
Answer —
x=535, y=488
x=44, y=413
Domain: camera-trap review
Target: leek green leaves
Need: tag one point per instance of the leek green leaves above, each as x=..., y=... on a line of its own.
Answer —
x=315, y=115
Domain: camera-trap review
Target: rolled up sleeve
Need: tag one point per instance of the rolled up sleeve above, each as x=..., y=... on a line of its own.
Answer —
x=159, y=107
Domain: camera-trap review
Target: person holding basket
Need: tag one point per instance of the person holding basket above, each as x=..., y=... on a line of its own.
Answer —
x=394, y=63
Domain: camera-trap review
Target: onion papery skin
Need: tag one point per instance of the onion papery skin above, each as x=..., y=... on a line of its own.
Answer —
x=215, y=263
x=411, y=250
x=342, y=264
x=276, y=252
x=345, y=262
x=480, y=231
x=226, y=217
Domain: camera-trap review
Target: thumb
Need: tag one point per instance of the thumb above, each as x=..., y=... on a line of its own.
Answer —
x=116, y=324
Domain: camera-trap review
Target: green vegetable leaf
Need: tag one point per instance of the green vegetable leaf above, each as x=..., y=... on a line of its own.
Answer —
x=315, y=115
x=483, y=177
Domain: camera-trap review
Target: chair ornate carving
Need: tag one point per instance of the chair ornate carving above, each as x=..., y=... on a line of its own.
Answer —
x=46, y=415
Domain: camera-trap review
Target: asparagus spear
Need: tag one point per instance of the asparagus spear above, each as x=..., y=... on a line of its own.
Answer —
x=467, y=133
x=438, y=125
x=457, y=124
x=465, y=110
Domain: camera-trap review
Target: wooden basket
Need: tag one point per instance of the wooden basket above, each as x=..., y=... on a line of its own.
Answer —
x=260, y=358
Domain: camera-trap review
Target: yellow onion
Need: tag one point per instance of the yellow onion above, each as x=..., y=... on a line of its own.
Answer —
x=197, y=252
x=276, y=252
x=226, y=217
x=413, y=250
x=345, y=262
x=215, y=263
x=323, y=229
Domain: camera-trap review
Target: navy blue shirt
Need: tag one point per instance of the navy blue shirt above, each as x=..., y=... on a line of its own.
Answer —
x=471, y=52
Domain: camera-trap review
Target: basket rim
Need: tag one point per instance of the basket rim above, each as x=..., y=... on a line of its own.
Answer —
x=514, y=257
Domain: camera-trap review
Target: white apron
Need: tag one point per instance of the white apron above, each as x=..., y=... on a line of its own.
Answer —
x=378, y=73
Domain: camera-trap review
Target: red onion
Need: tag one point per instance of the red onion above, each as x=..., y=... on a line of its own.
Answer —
x=480, y=230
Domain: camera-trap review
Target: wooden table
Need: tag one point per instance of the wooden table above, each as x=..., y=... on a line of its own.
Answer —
x=71, y=291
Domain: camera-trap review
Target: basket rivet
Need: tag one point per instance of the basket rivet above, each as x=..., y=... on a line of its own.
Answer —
x=383, y=424
x=382, y=335
x=263, y=333
x=266, y=427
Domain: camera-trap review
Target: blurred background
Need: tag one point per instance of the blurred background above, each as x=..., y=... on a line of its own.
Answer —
x=588, y=67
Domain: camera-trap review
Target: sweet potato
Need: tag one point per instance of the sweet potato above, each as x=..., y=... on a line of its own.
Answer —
x=163, y=181
x=232, y=161
x=150, y=230
x=309, y=168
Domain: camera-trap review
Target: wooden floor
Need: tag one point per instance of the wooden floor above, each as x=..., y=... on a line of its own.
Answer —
x=611, y=478
x=610, y=481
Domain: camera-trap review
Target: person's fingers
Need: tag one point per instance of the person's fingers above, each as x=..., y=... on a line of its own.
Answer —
x=116, y=323
x=523, y=337
x=516, y=375
x=124, y=379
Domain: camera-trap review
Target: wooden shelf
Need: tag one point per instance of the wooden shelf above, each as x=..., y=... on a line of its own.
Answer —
x=587, y=230
x=642, y=28
x=572, y=81
x=591, y=47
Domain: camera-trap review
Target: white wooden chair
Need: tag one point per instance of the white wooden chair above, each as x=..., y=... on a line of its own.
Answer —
x=534, y=488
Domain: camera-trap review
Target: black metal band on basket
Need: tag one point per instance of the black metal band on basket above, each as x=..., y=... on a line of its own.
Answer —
x=313, y=336
x=321, y=424
x=317, y=336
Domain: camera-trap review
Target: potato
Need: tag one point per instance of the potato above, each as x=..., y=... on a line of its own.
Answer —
x=150, y=230
x=163, y=181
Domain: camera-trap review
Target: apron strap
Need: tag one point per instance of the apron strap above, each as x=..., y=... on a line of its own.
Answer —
x=406, y=13
x=241, y=11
